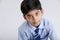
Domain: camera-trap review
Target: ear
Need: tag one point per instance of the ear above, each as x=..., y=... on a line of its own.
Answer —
x=42, y=11
x=24, y=17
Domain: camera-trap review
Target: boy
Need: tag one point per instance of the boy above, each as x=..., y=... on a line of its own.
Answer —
x=35, y=27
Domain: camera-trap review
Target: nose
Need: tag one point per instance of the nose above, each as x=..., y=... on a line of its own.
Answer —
x=35, y=19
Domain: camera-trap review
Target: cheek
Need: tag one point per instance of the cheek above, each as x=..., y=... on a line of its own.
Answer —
x=40, y=16
x=29, y=20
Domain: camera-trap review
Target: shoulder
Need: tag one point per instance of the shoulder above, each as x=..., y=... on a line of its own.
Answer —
x=47, y=24
x=23, y=27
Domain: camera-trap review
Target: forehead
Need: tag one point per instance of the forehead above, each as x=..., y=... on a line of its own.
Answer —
x=32, y=12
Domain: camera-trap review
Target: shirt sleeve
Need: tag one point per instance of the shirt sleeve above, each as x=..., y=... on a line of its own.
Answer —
x=52, y=33
x=21, y=35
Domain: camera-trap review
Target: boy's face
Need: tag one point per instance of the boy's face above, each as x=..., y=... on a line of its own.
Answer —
x=34, y=17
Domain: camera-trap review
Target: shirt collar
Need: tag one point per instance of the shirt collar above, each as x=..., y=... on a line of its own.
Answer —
x=41, y=26
x=31, y=27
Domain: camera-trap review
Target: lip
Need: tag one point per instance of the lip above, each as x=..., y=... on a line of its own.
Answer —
x=35, y=22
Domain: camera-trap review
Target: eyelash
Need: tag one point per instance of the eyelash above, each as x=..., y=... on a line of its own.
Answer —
x=29, y=16
x=37, y=14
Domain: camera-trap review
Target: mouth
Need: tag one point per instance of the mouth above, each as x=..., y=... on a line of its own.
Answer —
x=35, y=22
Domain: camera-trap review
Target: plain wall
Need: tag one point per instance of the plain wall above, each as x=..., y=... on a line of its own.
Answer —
x=11, y=17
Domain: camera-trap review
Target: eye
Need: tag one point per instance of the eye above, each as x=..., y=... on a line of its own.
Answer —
x=37, y=14
x=29, y=16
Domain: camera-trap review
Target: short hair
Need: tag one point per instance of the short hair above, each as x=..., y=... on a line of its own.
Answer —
x=28, y=5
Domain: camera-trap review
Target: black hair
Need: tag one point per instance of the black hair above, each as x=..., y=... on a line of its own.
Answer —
x=28, y=5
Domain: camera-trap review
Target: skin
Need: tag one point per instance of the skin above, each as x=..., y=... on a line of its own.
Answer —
x=34, y=17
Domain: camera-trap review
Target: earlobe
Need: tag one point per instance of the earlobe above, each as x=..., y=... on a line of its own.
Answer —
x=42, y=11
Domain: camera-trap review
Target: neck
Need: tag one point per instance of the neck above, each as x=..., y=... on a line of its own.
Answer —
x=37, y=26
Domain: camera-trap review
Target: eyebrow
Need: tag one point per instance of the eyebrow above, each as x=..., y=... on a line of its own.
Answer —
x=29, y=15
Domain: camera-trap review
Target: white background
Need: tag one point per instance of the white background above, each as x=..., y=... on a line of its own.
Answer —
x=11, y=17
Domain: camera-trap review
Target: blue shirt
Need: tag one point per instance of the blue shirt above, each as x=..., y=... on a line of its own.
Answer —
x=26, y=30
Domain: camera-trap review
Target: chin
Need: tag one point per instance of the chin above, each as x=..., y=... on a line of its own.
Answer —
x=36, y=24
